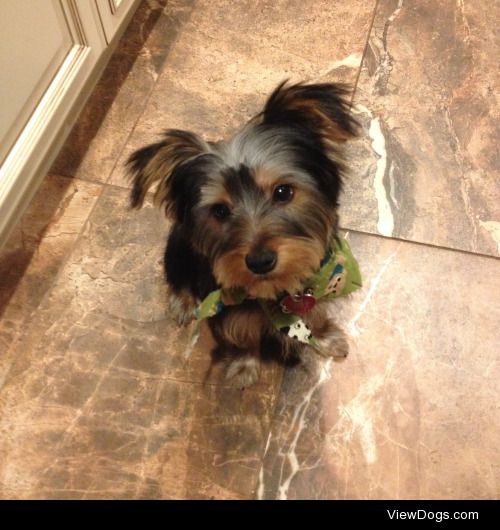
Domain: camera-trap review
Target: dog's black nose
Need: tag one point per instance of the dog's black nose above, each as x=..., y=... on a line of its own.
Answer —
x=261, y=260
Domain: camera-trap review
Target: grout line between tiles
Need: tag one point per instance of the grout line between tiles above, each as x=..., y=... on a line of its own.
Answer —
x=119, y=187
x=61, y=175
x=421, y=243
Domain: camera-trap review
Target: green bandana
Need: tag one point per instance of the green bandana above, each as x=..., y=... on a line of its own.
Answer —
x=338, y=275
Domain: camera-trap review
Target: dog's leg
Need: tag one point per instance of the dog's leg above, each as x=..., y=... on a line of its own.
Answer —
x=181, y=306
x=333, y=342
x=188, y=276
x=243, y=371
x=331, y=338
x=238, y=331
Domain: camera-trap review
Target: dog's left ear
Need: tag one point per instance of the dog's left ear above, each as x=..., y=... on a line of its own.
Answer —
x=323, y=109
x=156, y=164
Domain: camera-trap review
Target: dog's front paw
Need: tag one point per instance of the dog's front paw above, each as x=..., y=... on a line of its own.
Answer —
x=243, y=371
x=334, y=344
x=182, y=307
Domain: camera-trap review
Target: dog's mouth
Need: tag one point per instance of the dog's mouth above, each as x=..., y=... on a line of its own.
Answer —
x=271, y=270
x=271, y=285
x=265, y=286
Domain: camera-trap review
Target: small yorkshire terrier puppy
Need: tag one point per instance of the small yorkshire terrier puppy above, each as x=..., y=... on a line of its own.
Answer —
x=256, y=214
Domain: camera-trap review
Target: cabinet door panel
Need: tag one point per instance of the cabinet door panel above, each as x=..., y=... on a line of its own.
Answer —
x=35, y=41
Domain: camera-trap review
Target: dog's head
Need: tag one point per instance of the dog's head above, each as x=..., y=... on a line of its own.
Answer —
x=262, y=205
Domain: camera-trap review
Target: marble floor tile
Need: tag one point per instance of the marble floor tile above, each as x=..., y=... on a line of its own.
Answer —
x=35, y=252
x=427, y=166
x=135, y=437
x=227, y=59
x=101, y=402
x=120, y=96
x=320, y=31
x=413, y=412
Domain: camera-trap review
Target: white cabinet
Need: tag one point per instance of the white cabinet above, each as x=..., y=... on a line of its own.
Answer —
x=51, y=54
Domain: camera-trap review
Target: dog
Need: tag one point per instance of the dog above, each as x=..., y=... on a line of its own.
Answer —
x=255, y=213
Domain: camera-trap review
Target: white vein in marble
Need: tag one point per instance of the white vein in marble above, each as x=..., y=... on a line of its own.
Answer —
x=385, y=223
x=299, y=422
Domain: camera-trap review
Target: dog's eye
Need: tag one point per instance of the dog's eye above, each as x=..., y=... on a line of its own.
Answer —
x=283, y=193
x=220, y=211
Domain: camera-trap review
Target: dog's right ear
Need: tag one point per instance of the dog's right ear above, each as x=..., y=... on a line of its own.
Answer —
x=155, y=163
x=322, y=108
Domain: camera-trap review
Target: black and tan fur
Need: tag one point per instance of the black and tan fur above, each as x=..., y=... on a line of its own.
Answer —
x=256, y=211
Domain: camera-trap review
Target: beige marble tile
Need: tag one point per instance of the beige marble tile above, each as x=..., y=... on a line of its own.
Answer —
x=101, y=403
x=35, y=252
x=322, y=32
x=121, y=94
x=413, y=411
x=427, y=167
x=135, y=438
x=229, y=57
